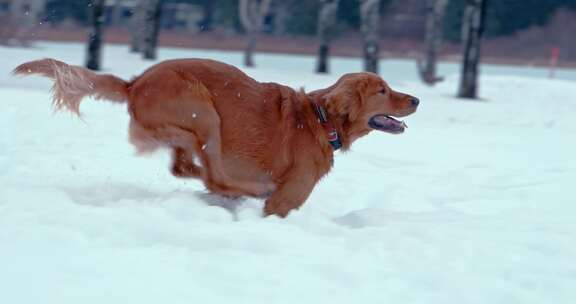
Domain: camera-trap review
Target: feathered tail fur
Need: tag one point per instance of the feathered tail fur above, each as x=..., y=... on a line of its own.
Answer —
x=73, y=83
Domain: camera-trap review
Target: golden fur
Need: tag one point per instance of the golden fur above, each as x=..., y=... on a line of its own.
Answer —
x=239, y=136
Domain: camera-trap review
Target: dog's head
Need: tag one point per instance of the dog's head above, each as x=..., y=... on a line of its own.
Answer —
x=362, y=102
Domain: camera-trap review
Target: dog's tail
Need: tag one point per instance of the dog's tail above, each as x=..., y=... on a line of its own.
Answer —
x=73, y=83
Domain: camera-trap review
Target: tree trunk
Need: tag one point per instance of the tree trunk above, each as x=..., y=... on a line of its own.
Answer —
x=370, y=15
x=252, y=13
x=249, y=51
x=472, y=28
x=137, y=26
x=116, y=15
x=433, y=41
x=281, y=17
x=94, y=49
x=326, y=22
x=151, y=27
x=207, y=15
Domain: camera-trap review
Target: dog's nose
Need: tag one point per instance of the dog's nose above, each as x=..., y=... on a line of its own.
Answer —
x=415, y=101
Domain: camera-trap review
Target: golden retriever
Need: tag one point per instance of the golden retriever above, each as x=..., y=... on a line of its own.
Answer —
x=238, y=135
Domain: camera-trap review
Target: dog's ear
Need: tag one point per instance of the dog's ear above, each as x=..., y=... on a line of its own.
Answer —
x=346, y=98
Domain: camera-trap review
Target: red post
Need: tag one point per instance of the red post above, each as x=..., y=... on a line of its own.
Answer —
x=555, y=52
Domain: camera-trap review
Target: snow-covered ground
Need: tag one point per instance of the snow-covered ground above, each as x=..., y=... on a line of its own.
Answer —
x=473, y=204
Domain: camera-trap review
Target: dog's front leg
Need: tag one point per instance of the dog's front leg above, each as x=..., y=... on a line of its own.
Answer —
x=291, y=192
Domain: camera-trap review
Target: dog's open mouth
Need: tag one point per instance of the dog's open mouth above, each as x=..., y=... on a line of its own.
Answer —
x=387, y=124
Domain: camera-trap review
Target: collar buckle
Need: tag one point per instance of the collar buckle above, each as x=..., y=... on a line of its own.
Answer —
x=331, y=132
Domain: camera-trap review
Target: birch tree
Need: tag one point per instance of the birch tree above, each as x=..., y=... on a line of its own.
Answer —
x=370, y=18
x=252, y=13
x=207, y=15
x=151, y=28
x=94, y=47
x=281, y=11
x=472, y=28
x=327, y=18
x=137, y=26
x=432, y=42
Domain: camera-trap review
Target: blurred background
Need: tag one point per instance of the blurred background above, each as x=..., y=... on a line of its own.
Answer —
x=516, y=31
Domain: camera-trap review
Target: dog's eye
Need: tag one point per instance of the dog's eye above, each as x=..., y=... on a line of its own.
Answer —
x=383, y=91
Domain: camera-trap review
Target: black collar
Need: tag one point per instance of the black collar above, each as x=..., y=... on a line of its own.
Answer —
x=331, y=132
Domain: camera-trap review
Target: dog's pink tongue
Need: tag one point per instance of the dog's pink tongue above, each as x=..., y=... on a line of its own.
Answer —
x=387, y=124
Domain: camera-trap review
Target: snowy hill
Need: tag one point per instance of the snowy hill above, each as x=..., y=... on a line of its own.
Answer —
x=473, y=204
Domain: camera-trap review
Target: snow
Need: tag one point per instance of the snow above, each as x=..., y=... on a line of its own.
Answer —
x=473, y=204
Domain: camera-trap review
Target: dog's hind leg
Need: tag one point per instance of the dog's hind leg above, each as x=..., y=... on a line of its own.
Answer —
x=204, y=143
x=215, y=177
x=183, y=163
x=183, y=145
x=183, y=116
